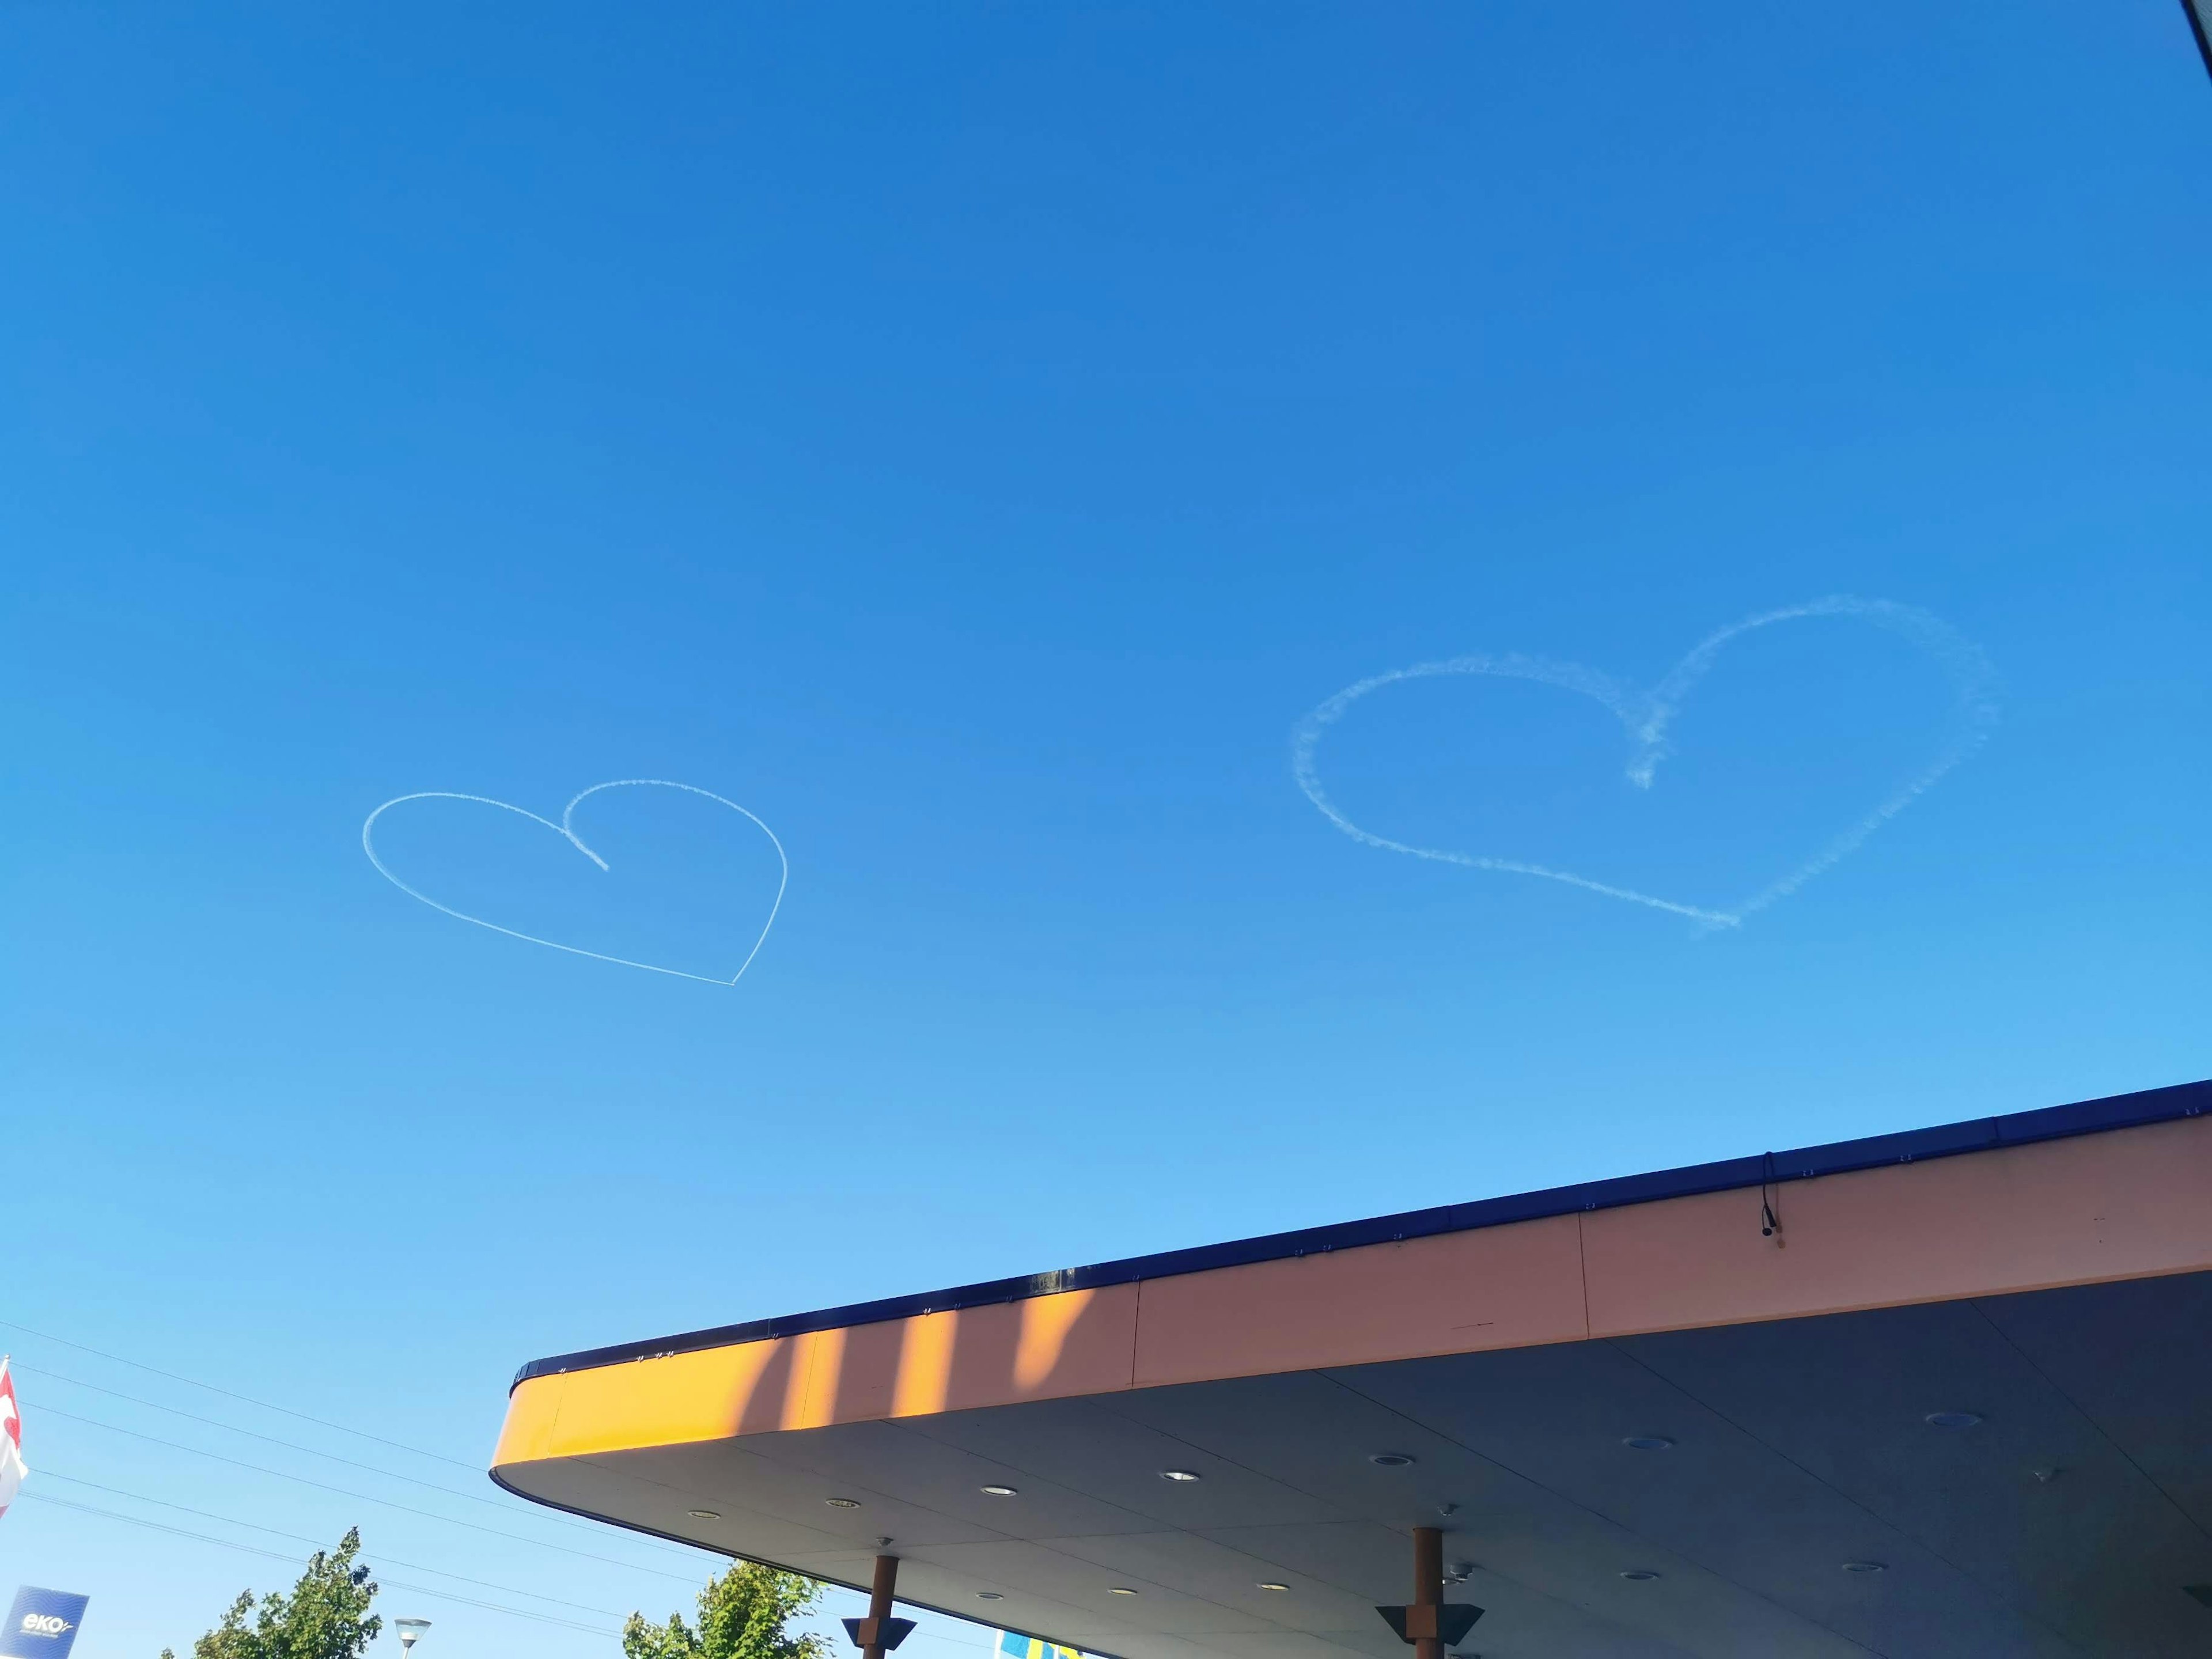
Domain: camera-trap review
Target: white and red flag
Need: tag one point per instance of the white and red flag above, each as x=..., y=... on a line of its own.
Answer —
x=11, y=1439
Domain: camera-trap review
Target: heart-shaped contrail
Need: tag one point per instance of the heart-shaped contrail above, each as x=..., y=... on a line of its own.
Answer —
x=565, y=829
x=1646, y=716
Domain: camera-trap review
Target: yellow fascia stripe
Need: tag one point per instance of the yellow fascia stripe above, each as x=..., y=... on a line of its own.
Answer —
x=924, y=1364
x=902, y=1368
x=711, y=1394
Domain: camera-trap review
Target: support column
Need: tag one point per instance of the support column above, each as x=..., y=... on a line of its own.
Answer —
x=878, y=1633
x=1428, y=1592
x=1427, y=1624
x=879, y=1605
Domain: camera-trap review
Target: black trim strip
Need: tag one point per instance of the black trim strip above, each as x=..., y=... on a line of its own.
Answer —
x=2195, y=10
x=2085, y=1117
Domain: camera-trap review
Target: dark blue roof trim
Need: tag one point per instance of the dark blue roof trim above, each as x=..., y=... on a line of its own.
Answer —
x=1982, y=1135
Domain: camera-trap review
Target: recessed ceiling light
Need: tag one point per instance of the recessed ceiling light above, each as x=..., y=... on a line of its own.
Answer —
x=988, y=1595
x=1004, y=1491
x=1389, y=1460
x=1265, y=1585
x=842, y=1503
x=704, y=1515
x=1866, y=1566
x=1178, y=1475
x=1639, y=1575
x=1953, y=1419
x=1648, y=1443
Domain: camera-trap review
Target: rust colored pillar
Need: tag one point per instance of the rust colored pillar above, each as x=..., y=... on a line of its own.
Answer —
x=1426, y=1624
x=879, y=1605
x=1428, y=1592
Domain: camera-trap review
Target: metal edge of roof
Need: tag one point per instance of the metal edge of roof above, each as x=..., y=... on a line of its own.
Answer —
x=2199, y=14
x=2085, y=1117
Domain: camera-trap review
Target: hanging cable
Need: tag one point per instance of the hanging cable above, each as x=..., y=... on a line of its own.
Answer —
x=294, y=1560
x=288, y=1445
x=286, y=1411
x=45, y=1473
x=175, y=1376
x=363, y=1496
x=682, y=1551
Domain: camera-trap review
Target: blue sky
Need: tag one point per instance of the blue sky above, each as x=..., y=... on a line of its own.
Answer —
x=972, y=438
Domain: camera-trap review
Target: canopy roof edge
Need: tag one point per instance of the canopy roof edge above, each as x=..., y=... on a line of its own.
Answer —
x=2143, y=1107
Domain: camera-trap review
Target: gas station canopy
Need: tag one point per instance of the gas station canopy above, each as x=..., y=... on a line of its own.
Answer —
x=1945, y=1393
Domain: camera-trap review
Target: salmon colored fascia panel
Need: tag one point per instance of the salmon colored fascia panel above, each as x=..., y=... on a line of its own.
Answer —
x=866, y=1384
x=1043, y=1347
x=2122, y=1204
x=1501, y=1287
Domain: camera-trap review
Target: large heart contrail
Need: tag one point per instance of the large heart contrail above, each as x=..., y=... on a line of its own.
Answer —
x=1647, y=715
x=566, y=830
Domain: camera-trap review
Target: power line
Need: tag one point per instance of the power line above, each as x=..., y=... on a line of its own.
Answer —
x=362, y=1497
x=271, y=1440
x=394, y=1583
x=294, y=1560
x=398, y=1445
x=175, y=1376
x=299, y=1538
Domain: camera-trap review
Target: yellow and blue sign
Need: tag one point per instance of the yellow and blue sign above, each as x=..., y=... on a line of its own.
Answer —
x=1011, y=1646
x=42, y=1624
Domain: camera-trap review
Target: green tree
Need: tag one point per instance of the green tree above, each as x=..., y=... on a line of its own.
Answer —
x=325, y=1616
x=742, y=1615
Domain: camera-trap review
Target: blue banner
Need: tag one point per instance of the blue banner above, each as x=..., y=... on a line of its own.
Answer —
x=42, y=1624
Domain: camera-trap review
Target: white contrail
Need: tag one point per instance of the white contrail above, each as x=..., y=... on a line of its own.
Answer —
x=1646, y=715
x=567, y=832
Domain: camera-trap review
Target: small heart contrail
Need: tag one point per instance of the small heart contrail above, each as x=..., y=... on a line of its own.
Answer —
x=1646, y=715
x=565, y=829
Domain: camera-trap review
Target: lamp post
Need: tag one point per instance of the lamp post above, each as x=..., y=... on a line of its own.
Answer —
x=410, y=1630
